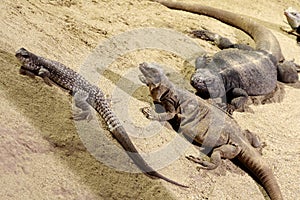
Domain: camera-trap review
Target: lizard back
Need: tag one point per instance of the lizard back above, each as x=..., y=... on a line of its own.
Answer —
x=240, y=66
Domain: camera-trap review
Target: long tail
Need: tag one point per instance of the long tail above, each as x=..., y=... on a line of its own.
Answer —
x=254, y=162
x=102, y=107
x=132, y=152
x=263, y=38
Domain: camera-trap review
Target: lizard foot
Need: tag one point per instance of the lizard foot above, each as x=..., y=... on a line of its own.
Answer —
x=244, y=108
x=84, y=115
x=260, y=148
x=230, y=109
x=26, y=72
x=148, y=112
x=80, y=99
x=203, y=164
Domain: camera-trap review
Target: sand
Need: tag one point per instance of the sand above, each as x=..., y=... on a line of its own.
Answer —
x=45, y=156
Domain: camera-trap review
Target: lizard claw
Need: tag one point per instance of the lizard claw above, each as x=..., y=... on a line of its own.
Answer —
x=230, y=109
x=203, y=164
x=147, y=111
x=85, y=115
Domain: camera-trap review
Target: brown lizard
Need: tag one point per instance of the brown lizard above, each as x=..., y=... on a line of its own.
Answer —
x=85, y=95
x=207, y=125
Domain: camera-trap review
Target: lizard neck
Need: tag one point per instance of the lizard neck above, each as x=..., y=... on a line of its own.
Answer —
x=231, y=79
x=170, y=98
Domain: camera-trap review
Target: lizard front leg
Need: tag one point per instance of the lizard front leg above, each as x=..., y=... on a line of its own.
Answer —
x=42, y=72
x=227, y=151
x=254, y=140
x=26, y=72
x=152, y=115
x=238, y=100
x=45, y=74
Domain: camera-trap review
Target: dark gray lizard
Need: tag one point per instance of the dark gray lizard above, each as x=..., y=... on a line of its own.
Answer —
x=233, y=74
x=208, y=125
x=85, y=95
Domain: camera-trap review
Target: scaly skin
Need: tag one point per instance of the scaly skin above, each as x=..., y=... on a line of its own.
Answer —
x=235, y=74
x=84, y=94
x=208, y=125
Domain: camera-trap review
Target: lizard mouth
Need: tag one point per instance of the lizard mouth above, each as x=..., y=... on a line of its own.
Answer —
x=22, y=55
x=201, y=88
x=198, y=83
x=286, y=13
x=206, y=90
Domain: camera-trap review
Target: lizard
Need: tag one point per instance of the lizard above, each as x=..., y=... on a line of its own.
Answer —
x=207, y=125
x=233, y=74
x=85, y=95
x=293, y=18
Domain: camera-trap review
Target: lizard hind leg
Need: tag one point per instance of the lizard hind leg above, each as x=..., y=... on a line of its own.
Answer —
x=80, y=98
x=226, y=151
x=254, y=140
x=288, y=72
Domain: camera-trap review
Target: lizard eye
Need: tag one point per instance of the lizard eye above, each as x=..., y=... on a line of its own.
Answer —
x=25, y=56
x=22, y=52
x=208, y=81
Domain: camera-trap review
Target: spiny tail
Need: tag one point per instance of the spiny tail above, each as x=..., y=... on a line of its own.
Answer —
x=263, y=38
x=255, y=163
x=102, y=107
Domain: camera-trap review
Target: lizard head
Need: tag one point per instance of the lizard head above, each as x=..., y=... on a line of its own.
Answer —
x=293, y=17
x=207, y=83
x=154, y=77
x=29, y=60
x=152, y=74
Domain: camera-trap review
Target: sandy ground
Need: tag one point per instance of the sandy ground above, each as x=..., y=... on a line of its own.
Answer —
x=41, y=153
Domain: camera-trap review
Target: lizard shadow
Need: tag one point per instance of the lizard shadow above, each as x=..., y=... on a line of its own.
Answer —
x=136, y=90
x=141, y=92
x=48, y=109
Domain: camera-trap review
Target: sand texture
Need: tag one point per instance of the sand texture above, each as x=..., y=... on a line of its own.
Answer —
x=42, y=154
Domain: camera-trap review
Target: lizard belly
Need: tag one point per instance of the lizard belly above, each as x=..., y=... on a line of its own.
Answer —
x=203, y=123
